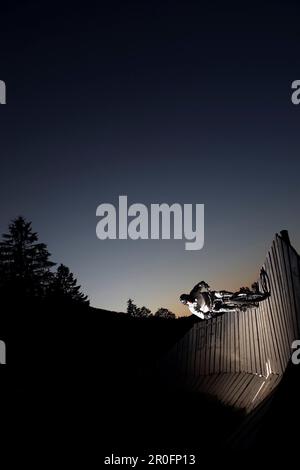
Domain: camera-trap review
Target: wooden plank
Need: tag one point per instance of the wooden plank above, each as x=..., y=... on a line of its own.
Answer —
x=243, y=341
x=295, y=269
x=283, y=287
x=279, y=289
x=287, y=264
x=279, y=322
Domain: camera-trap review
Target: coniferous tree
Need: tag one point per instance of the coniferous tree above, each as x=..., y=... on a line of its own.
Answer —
x=64, y=288
x=131, y=308
x=25, y=268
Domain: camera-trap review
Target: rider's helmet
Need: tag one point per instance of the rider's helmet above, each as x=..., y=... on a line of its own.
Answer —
x=185, y=298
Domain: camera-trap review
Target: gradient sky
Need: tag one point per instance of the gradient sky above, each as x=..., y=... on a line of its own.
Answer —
x=164, y=101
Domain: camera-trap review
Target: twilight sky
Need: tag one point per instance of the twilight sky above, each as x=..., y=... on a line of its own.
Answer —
x=163, y=101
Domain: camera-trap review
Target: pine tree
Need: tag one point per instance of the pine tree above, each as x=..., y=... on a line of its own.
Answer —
x=132, y=309
x=64, y=288
x=25, y=268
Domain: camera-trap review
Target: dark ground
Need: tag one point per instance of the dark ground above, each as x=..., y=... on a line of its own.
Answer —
x=86, y=382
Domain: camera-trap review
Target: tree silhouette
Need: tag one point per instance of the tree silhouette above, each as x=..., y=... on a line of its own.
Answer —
x=255, y=287
x=165, y=313
x=132, y=309
x=64, y=288
x=144, y=312
x=25, y=267
x=135, y=311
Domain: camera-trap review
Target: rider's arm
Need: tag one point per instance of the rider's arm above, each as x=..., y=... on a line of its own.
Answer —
x=196, y=311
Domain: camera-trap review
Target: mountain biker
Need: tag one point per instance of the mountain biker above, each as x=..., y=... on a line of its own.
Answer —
x=204, y=303
x=199, y=301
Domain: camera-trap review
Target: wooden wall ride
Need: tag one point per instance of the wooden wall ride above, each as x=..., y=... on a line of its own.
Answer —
x=240, y=357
